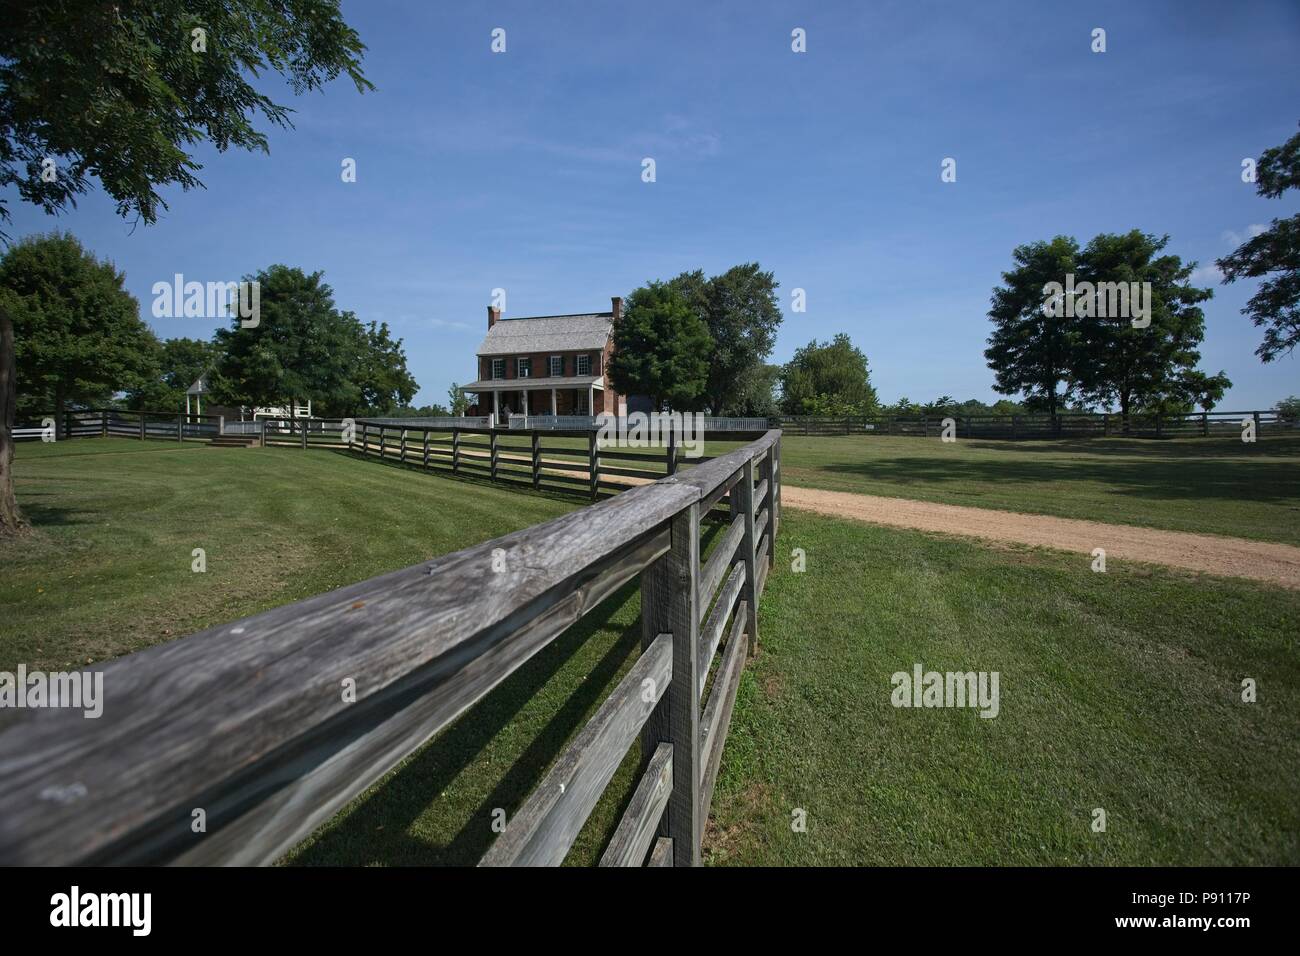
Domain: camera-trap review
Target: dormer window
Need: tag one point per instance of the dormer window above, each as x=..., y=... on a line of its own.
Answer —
x=557, y=366
x=524, y=368
x=498, y=368
x=584, y=365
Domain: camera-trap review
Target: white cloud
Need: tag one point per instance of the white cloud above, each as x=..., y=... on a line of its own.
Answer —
x=1236, y=238
x=1207, y=273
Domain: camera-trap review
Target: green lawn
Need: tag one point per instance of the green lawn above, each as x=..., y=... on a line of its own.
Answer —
x=1215, y=485
x=1118, y=690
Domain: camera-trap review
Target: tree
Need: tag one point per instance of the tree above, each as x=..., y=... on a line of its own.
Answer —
x=122, y=93
x=828, y=379
x=757, y=393
x=1114, y=362
x=456, y=400
x=78, y=333
x=380, y=374
x=181, y=362
x=742, y=314
x=1030, y=350
x=661, y=349
x=1275, y=306
x=302, y=347
x=1289, y=408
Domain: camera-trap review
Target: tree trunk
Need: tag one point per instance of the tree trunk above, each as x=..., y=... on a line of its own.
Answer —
x=11, y=519
x=1123, y=411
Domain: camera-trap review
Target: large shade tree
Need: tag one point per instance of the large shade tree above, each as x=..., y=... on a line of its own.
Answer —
x=79, y=338
x=181, y=362
x=828, y=378
x=1031, y=348
x=121, y=93
x=740, y=309
x=1273, y=255
x=661, y=349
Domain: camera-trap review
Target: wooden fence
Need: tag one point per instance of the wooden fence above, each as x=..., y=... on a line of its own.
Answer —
x=116, y=423
x=250, y=722
x=1066, y=425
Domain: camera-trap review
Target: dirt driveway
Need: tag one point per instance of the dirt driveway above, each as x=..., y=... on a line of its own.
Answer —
x=1229, y=557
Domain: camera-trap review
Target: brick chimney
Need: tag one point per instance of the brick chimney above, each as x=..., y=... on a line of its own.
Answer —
x=617, y=302
x=494, y=315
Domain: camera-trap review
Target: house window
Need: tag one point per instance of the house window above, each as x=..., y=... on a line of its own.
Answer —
x=584, y=365
x=524, y=368
x=581, y=404
x=498, y=368
x=557, y=366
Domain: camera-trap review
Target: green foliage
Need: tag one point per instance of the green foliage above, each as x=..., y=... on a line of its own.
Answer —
x=303, y=347
x=457, y=402
x=181, y=362
x=661, y=349
x=1275, y=306
x=1289, y=408
x=79, y=338
x=1029, y=350
x=828, y=379
x=741, y=311
x=119, y=92
x=757, y=398
x=1053, y=358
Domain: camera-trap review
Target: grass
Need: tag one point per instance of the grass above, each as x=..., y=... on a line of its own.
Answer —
x=1118, y=690
x=1216, y=485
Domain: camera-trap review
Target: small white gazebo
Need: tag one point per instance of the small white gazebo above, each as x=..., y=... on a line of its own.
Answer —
x=198, y=390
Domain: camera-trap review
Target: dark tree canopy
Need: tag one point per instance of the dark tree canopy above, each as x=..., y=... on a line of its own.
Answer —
x=740, y=309
x=1029, y=350
x=79, y=336
x=122, y=92
x=181, y=361
x=828, y=379
x=1275, y=254
x=661, y=349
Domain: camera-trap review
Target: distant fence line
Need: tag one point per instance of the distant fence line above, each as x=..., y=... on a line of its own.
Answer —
x=1065, y=425
x=251, y=722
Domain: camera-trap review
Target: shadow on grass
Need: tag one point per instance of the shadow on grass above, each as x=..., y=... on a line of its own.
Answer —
x=377, y=829
x=1189, y=479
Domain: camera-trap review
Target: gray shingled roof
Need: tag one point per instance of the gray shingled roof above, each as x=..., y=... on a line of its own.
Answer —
x=548, y=333
x=520, y=384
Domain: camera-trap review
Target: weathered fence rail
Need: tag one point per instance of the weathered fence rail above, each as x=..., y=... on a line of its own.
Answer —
x=551, y=459
x=113, y=422
x=1065, y=425
x=250, y=723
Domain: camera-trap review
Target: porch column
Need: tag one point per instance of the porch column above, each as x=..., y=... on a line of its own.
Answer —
x=591, y=399
x=496, y=406
x=187, y=404
x=553, y=403
x=523, y=401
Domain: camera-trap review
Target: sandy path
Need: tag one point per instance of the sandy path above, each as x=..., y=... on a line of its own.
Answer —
x=1231, y=557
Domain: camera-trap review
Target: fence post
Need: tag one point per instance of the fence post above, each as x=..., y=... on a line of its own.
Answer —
x=365, y=439
x=774, y=482
x=1015, y=420
x=925, y=423
x=1256, y=416
x=180, y=427
x=303, y=426
x=670, y=604
x=537, y=458
x=1205, y=424
x=426, y=449
x=593, y=464
x=670, y=466
x=742, y=495
x=141, y=414
x=401, y=448
x=455, y=451
x=492, y=444
x=382, y=444
x=1105, y=425
x=104, y=424
x=1158, y=428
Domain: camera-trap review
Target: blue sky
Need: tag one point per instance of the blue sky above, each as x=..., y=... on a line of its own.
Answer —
x=522, y=170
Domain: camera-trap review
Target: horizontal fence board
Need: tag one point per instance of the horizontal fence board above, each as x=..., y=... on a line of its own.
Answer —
x=544, y=828
x=717, y=715
x=636, y=830
x=662, y=853
x=711, y=630
x=720, y=559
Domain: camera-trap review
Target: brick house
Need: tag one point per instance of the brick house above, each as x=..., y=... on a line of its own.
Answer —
x=546, y=365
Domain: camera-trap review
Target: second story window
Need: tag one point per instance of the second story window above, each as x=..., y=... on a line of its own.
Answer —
x=498, y=368
x=524, y=368
x=584, y=365
x=557, y=366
